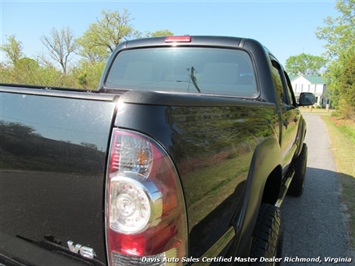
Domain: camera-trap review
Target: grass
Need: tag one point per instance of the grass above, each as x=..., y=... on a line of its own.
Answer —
x=342, y=136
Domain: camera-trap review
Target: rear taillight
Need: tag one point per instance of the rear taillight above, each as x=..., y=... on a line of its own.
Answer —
x=146, y=217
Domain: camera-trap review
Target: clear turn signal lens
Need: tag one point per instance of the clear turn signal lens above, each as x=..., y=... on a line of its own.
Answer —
x=131, y=154
x=134, y=205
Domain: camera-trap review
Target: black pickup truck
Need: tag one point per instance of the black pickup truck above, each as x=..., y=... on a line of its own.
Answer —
x=181, y=157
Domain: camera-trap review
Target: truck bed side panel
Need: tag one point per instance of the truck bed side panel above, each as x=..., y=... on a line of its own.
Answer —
x=52, y=170
x=212, y=143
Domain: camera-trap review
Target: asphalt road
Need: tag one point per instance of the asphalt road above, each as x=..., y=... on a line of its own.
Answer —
x=314, y=224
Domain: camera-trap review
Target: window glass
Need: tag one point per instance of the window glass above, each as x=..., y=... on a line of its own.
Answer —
x=184, y=69
x=289, y=91
x=280, y=94
x=282, y=85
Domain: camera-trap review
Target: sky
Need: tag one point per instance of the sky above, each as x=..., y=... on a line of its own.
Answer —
x=286, y=27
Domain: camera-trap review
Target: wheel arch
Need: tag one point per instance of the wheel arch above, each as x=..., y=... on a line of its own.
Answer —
x=264, y=173
x=301, y=135
x=272, y=186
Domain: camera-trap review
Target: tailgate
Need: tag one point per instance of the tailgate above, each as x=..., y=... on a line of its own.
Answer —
x=52, y=175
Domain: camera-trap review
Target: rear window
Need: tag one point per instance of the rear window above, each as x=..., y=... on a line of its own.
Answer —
x=184, y=69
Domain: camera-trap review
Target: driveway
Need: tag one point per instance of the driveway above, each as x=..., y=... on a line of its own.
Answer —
x=315, y=223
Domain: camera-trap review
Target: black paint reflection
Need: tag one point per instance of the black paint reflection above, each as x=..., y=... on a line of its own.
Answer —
x=23, y=149
x=213, y=147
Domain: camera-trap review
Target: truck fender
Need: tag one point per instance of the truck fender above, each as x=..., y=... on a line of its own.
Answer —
x=301, y=134
x=266, y=158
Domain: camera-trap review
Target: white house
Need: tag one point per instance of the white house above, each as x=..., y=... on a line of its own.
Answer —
x=315, y=84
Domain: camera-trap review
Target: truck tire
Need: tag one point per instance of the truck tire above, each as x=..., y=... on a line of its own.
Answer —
x=267, y=237
x=299, y=165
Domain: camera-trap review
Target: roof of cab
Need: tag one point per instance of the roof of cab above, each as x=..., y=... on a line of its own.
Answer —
x=215, y=41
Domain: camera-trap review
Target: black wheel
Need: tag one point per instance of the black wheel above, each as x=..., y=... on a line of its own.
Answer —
x=299, y=165
x=267, y=237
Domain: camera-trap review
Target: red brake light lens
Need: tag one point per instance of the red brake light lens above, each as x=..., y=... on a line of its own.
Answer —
x=145, y=208
x=177, y=39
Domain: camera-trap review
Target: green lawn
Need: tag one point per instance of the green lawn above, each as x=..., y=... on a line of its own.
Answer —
x=342, y=136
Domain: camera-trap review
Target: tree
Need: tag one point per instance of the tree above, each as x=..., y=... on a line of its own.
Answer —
x=88, y=74
x=305, y=64
x=61, y=45
x=25, y=71
x=12, y=49
x=347, y=76
x=339, y=33
x=160, y=33
x=27, y=63
x=103, y=36
x=91, y=52
x=341, y=76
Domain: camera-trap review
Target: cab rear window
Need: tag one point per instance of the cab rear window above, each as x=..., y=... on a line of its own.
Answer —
x=184, y=69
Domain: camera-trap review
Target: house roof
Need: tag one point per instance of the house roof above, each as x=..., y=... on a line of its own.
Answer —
x=316, y=79
x=311, y=79
x=292, y=77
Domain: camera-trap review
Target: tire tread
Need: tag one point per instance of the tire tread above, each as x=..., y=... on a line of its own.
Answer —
x=267, y=234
